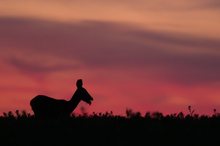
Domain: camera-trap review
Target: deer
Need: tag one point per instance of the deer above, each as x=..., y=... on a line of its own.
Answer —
x=47, y=107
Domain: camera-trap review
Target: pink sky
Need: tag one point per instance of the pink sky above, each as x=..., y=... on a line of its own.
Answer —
x=147, y=56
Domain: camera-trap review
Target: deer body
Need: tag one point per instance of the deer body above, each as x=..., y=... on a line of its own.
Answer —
x=47, y=107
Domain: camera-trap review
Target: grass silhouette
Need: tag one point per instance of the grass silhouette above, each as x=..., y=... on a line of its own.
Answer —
x=22, y=129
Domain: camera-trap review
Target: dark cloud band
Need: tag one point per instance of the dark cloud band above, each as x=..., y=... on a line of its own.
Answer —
x=181, y=58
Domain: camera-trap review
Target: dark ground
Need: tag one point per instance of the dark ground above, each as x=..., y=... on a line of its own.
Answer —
x=108, y=130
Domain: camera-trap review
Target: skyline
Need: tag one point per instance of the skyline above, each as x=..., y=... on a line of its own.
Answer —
x=147, y=56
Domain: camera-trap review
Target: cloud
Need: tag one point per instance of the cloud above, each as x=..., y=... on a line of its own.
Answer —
x=29, y=44
x=150, y=5
x=40, y=67
x=209, y=3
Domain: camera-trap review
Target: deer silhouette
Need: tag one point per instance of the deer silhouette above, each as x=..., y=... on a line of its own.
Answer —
x=47, y=107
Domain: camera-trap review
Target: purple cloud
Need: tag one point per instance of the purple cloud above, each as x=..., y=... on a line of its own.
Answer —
x=40, y=67
x=179, y=58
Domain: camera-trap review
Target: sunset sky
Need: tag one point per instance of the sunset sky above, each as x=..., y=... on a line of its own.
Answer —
x=145, y=55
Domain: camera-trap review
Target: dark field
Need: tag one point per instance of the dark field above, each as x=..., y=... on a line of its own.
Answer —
x=152, y=129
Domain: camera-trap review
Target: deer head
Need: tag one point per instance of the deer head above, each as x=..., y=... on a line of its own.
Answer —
x=81, y=92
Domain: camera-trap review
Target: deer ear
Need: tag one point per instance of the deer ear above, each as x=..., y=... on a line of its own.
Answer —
x=79, y=83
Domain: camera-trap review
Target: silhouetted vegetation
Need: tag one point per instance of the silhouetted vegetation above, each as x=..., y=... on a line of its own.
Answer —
x=22, y=129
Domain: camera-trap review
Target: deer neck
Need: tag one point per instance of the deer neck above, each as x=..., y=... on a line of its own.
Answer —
x=73, y=104
x=74, y=101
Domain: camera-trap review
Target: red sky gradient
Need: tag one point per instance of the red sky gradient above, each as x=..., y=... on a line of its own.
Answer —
x=145, y=55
